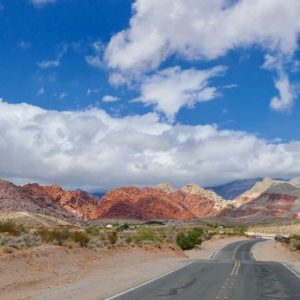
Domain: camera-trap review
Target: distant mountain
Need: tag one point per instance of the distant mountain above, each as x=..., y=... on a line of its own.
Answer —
x=276, y=199
x=235, y=188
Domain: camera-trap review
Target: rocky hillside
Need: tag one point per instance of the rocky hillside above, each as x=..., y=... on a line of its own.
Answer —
x=161, y=202
x=78, y=203
x=275, y=199
x=269, y=197
x=49, y=200
x=259, y=188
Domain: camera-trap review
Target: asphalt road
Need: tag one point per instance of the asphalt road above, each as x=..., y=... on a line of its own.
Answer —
x=230, y=274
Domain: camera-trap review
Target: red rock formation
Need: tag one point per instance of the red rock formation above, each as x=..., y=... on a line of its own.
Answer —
x=16, y=198
x=78, y=203
x=156, y=203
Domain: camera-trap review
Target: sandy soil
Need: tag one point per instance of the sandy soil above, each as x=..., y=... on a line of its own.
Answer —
x=51, y=272
x=275, y=251
x=211, y=247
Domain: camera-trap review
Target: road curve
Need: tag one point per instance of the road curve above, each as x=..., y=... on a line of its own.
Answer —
x=231, y=274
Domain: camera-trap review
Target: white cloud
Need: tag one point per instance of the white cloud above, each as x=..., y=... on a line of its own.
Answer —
x=91, y=149
x=45, y=64
x=286, y=97
x=205, y=30
x=94, y=61
x=287, y=91
x=41, y=3
x=109, y=98
x=173, y=88
x=202, y=29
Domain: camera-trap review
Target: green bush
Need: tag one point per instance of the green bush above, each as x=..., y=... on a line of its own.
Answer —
x=10, y=227
x=154, y=223
x=240, y=229
x=146, y=234
x=123, y=227
x=189, y=239
x=92, y=230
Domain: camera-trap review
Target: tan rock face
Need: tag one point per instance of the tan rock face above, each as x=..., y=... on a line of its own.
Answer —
x=279, y=200
x=258, y=189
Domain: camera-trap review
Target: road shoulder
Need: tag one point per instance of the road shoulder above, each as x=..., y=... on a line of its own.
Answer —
x=271, y=250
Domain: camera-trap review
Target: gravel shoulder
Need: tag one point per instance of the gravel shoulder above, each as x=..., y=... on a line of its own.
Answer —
x=275, y=251
x=52, y=272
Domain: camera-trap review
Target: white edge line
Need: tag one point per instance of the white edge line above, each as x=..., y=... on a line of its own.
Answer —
x=290, y=268
x=213, y=254
x=252, y=253
x=147, y=282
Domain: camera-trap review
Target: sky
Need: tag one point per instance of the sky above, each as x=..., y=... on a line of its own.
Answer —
x=99, y=94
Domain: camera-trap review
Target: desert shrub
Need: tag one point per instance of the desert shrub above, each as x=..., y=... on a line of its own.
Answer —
x=80, y=237
x=153, y=222
x=188, y=240
x=240, y=229
x=112, y=236
x=59, y=236
x=123, y=227
x=146, y=234
x=93, y=230
x=10, y=227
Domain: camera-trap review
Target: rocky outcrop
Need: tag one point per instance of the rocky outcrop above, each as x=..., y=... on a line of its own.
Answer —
x=160, y=202
x=279, y=200
x=17, y=198
x=258, y=189
x=51, y=200
x=79, y=203
x=267, y=198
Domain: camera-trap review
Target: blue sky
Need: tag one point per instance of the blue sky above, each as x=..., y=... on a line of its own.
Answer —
x=133, y=60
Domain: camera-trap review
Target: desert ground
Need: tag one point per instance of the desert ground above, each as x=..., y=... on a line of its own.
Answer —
x=54, y=272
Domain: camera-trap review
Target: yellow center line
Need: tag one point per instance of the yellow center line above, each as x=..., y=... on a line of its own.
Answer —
x=238, y=267
x=234, y=267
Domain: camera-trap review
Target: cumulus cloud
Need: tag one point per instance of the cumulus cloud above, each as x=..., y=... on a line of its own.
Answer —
x=202, y=29
x=173, y=88
x=110, y=98
x=90, y=149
